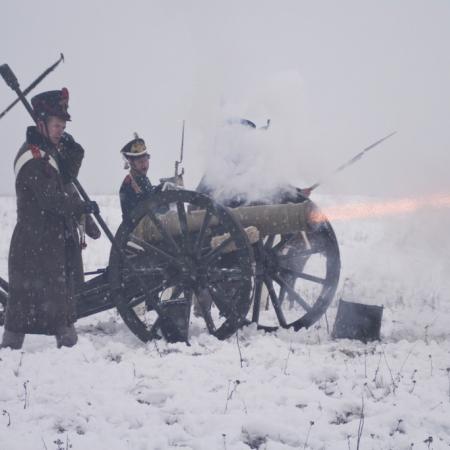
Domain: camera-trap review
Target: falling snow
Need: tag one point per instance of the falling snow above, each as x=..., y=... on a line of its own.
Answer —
x=294, y=390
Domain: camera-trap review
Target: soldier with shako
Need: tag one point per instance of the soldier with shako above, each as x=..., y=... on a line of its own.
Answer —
x=136, y=186
x=45, y=253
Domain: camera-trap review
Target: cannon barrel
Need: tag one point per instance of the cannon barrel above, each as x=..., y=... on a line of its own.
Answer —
x=268, y=219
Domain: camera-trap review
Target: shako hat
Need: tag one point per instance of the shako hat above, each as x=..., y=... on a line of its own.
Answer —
x=135, y=148
x=52, y=103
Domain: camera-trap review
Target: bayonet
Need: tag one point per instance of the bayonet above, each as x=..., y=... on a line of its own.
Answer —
x=351, y=161
x=179, y=176
x=178, y=162
x=177, y=179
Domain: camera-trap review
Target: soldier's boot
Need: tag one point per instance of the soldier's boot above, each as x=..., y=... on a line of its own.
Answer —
x=12, y=340
x=66, y=336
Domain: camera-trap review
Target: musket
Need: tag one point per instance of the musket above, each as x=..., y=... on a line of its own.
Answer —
x=34, y=84
x=350, y=162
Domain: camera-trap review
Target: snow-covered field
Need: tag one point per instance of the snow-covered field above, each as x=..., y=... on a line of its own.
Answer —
x=294, y=390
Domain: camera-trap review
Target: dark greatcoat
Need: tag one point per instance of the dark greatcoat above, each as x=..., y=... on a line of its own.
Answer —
x=134, y=189
x=44, y=247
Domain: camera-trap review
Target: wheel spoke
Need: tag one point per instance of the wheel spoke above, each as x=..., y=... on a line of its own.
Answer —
x=149, y=248
x=283, y=291
x=183, y=225
x=292, y=292
x=201, y=234
x=275, y=301
x=303, y=275
x=163, y=232
x=215, y=253
x=282, y=294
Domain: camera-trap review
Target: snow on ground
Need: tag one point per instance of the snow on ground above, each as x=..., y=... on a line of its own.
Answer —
x=290, y=391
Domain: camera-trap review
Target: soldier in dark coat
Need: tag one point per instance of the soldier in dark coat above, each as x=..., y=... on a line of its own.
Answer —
x=136, y=186
x=45, y=253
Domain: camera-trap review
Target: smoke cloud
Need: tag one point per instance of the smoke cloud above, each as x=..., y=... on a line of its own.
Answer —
x=256, y=161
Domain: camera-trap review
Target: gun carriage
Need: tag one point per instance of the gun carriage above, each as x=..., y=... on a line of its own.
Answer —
x=229, y=267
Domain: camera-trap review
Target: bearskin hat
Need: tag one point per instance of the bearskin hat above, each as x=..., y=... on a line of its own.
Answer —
x=52, y=103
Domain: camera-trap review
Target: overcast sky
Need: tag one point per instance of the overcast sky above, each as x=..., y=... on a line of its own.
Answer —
x=332, y=76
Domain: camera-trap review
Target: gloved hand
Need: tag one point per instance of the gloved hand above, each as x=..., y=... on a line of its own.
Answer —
x=70, y=147
x=88, y=208
x=67, y=140
x=71, y=154
x=92, y=230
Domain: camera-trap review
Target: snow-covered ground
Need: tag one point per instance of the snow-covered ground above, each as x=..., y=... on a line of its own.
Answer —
x=294, y=390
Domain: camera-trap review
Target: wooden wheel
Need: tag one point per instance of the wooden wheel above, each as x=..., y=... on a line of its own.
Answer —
x=296, y=276
x=300, y=273
x=154, y=282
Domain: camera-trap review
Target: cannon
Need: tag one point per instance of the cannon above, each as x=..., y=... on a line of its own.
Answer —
x=274, y=265
x=199, y=254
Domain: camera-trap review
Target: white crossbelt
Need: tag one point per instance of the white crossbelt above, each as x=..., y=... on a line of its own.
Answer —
x=27, y=156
